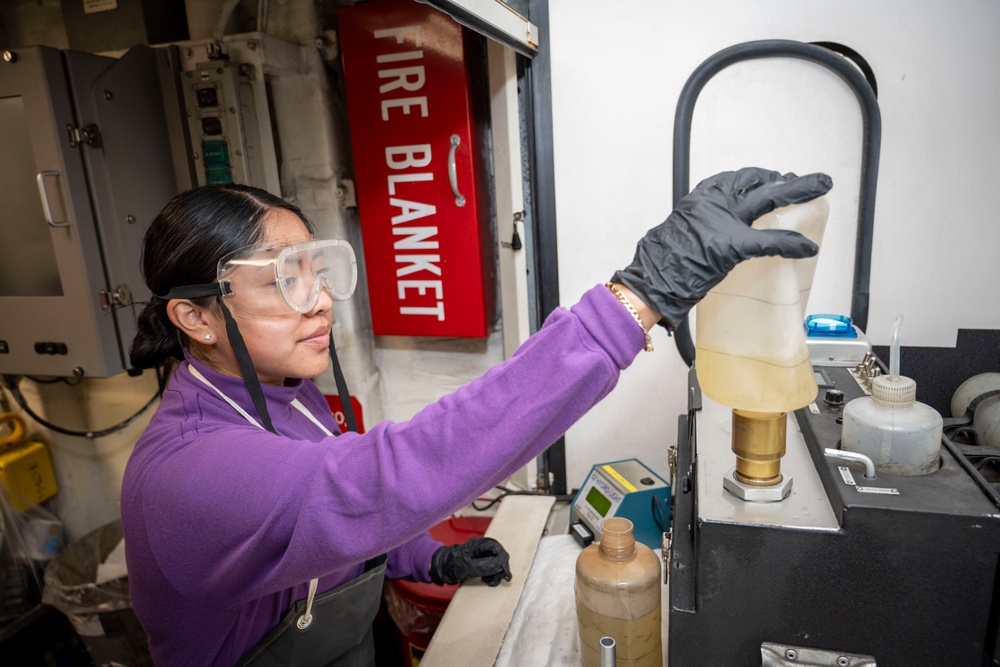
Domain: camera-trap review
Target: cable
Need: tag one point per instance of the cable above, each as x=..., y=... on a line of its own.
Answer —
x=11, y=382
x=511, y=492
x=38, y=380
x=659, y=515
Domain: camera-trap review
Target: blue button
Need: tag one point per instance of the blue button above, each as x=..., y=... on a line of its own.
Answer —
x=829, y=326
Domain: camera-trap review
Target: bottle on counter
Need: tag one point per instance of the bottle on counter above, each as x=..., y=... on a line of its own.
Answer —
x=618, y=595
x=899, y=434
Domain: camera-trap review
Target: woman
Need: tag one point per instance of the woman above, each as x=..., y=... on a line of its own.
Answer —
x=253, y=535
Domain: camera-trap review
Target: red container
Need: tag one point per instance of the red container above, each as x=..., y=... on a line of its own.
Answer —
x=416, y=608
x=415, y=89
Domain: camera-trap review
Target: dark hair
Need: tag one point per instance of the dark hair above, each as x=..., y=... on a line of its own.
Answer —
x=183, y=246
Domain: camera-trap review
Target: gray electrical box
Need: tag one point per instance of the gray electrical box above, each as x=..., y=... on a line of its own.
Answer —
x=223, y=123
x=87, y=166
x=224, y=94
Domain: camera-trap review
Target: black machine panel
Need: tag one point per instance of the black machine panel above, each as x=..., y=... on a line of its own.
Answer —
x=905, y=572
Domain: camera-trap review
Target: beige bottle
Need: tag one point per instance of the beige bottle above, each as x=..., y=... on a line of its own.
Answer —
x=618, y=596
x=751, y=350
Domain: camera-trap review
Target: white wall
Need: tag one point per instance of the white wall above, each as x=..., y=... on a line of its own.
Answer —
x=616, y=78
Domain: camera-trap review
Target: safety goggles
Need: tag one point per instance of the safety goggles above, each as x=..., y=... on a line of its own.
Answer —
x=267, y=279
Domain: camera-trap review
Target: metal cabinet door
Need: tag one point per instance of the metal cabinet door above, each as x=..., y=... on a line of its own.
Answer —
x=129, y=169
x=52, y=274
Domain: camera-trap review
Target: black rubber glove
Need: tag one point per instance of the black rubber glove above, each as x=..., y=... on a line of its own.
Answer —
x=479, y=557
x=709, y=233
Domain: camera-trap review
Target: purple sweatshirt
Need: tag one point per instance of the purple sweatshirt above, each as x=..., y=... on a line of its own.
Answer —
x=226, y=523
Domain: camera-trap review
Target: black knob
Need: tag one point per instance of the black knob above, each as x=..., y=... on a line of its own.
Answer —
x=834, y=397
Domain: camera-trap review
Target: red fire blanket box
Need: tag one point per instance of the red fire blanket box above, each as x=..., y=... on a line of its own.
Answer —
x=417, y=99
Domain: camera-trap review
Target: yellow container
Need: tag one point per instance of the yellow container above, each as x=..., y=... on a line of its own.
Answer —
x=26, y=473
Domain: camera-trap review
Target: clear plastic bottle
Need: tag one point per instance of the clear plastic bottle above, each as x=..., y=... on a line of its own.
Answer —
x=618, y=596
x=751, y=350
x=900, y=435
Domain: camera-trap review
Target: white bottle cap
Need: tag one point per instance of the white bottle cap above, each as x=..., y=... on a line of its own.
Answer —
x=894, y=391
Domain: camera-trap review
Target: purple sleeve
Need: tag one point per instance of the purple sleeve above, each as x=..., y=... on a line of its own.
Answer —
x=412, y=560
x=261, y=515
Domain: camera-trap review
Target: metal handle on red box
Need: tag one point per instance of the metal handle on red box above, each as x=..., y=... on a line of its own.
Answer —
x=453, y=170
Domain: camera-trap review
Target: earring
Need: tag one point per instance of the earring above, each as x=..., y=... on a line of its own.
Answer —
x=208, y=336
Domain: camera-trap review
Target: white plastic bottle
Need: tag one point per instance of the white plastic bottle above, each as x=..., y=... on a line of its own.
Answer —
x=751, y=350
x=900, y=435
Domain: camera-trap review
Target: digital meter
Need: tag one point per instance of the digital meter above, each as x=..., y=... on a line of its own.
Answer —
x=625, y=489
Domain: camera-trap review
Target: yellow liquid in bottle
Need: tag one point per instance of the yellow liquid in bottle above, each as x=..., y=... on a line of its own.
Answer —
x=755, y=384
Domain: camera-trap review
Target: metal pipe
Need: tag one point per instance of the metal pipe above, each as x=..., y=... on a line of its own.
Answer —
x=853, y=456
x=608, y=652
x=872, y=140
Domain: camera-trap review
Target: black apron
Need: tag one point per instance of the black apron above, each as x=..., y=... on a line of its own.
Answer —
x=340, y=631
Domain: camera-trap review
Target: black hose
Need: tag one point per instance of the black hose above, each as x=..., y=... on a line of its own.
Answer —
x=872, y=140
x=11, y=382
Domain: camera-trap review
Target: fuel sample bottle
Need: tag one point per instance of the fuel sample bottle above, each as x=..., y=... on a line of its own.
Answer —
x=618, y=596
x=751, y=352
x=900, y=435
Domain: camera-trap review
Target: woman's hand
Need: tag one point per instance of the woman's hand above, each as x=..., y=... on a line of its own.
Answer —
x=478, y=557
x=709, y=233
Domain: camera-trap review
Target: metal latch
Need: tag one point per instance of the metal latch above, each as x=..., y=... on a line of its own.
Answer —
x=667, y=538
x=780, y=655
x=89, y=134
x=120, y=297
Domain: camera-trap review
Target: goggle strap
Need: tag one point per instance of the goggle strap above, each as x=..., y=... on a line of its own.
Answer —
x=342, y=391
x=192, y=292
x=246, y=368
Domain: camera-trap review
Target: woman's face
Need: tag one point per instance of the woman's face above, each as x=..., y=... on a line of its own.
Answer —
x=290, y=345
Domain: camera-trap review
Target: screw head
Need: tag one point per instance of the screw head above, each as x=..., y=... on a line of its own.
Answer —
x=9, y=57
x=791, y=654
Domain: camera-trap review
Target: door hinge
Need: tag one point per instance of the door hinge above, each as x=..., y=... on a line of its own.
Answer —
x=120, y=297
x=89, y=134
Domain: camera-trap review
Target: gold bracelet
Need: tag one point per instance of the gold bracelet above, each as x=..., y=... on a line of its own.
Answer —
x=631, y=309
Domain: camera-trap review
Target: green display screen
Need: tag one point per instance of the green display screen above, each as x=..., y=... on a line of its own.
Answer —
x=598, y=501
